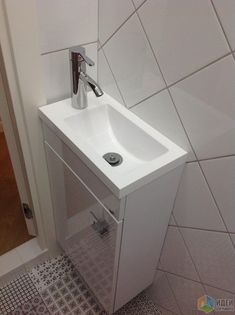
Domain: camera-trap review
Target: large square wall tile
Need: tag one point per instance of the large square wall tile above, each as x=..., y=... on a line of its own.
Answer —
x=205, y=102
x=186, y=292
x=175, y=257
x=194, y=204
x=220, y=174
x=185, y=35
x=161, y=293
x=214, y=256
x=132, y=62
x=112, y=13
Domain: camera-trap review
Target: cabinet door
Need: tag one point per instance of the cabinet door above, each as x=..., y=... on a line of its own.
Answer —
x=87, y=232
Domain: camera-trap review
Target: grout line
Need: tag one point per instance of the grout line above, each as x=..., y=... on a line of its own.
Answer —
x=216, y=203
x=198, y=70
x=119, y=90
x=181, y=121
x=202, y=283
x=200, y=229
x=217, y=157
x=111, y=36
x=151, y=47
x=146, y=98
x=178, y=81
x=222, y=28
x=189, y=252
x=62, y=49
x=191, y=161
x=135, y=11
x=221, y=25
x=173, y=293
x=137, y=7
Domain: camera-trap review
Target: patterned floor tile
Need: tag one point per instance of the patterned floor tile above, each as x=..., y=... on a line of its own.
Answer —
x=48, y=272
x=17, y=292
x=54, y=287
x=70, y=295
x=140, y=305
x=34, y=306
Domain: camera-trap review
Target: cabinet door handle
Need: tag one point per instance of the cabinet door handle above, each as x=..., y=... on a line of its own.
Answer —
x=100, y=226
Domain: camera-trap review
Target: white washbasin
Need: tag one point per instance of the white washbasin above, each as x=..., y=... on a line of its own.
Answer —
x=107, y=126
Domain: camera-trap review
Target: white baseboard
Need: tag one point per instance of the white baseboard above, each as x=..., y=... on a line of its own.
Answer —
x=20, y=260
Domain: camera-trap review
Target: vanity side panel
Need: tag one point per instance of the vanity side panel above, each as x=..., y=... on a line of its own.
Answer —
x=147, y=215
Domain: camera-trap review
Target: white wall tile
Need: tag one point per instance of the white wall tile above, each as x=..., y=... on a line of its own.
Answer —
x=160, y=113
x=205, y=102
x=214, y=256
x=220, y=174
x=106, y=78
x=57, y=72
x=226, y=12
x=133, y=63
x=161, y=293
x=112, y=13
x=194, y=205
x=184, y=34
x=63, y=24
x=186, y=292
x=175, y=257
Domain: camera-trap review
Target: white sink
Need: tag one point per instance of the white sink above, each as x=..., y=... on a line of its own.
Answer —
x=106, y=126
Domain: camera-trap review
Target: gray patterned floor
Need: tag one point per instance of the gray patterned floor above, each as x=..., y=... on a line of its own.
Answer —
x=55, y=287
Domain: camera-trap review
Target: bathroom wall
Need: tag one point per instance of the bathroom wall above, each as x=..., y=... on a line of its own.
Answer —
x=172, y=64
x=64, y=24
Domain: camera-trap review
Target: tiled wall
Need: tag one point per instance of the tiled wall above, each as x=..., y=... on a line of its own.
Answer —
x=64, y=24
x=172, y=64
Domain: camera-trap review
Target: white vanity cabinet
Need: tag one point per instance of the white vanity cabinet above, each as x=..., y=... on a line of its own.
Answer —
x=114, y=243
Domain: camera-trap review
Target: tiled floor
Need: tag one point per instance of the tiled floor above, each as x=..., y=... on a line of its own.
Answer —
x=55, y=287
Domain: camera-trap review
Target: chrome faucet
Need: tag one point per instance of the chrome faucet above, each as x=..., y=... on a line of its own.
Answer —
x=79, y=79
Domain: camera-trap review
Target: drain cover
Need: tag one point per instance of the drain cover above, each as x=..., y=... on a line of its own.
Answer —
x=114, y=159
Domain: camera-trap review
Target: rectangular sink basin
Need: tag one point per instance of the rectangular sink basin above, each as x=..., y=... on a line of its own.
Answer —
x=108, y=127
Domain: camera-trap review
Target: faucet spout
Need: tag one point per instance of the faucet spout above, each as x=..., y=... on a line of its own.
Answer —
x=92, y=84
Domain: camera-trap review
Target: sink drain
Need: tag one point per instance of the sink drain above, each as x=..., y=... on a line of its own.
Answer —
x=114, y=159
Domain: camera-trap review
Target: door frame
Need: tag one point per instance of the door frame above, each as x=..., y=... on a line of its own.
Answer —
x=14, y=148
x=19, y=40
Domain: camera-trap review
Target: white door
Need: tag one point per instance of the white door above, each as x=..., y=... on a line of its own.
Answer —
x=13, y=143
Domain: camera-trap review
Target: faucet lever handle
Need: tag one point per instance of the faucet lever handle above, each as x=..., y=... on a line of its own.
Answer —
x=87, y=60
x=79, y=50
